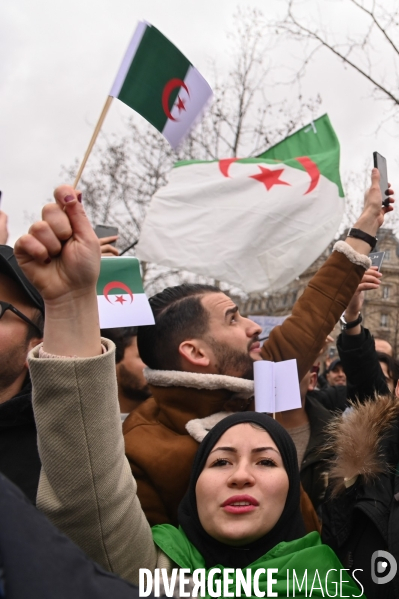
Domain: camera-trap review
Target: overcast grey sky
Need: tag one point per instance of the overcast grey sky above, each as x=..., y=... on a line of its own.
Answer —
x=59, y=60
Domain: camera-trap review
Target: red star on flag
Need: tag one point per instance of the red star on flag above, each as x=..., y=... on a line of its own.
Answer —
x=120, y=299
x=180, y=104
x=269, y=177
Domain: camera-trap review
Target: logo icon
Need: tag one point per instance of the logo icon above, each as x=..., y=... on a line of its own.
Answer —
x=383, y=567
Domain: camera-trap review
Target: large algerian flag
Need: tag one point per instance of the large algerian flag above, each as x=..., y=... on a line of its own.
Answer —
x=158, y=81
x=120, y=294
x=256, y=222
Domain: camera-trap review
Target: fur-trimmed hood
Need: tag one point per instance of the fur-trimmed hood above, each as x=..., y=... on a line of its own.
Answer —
x=235, y=394
x=200, y=427
x=194, y=380
x=356, y=437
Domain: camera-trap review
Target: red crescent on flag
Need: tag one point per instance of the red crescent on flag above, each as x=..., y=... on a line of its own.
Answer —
x=167, y=90
x=116, y=285
x=224, y=165
x=313, y=171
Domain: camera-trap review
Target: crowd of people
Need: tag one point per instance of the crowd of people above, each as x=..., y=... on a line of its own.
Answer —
x=138, y=449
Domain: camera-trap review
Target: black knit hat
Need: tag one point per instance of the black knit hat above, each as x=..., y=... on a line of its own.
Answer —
x=334, y=364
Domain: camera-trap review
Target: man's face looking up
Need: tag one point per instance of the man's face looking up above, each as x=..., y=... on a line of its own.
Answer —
x=231, y=339
x=14, y=343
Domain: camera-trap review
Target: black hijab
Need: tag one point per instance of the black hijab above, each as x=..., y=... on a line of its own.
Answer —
x=290, y=525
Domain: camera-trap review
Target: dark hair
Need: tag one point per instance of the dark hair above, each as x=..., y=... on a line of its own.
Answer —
x=122, y=337
x=179, y=315
x=392, y=365
x=38, y=320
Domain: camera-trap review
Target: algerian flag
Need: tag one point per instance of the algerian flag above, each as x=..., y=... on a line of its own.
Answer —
x=158, y=81
x=256, y=223
x=120, y=294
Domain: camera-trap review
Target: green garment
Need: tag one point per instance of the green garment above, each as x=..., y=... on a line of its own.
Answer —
x=307, y=557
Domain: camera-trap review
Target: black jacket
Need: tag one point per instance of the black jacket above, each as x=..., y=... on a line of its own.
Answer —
x=38, y=562
x=361, y=366
x=19, y=457
x=364, y=518
x=332, y=398
x=314, y=465
x=363, y=373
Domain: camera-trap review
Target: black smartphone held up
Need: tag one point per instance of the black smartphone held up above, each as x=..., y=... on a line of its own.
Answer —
x=106, y=231
x=376, y=259
x=381, y=163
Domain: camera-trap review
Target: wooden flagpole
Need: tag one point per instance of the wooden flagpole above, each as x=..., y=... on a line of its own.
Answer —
x=93, y=139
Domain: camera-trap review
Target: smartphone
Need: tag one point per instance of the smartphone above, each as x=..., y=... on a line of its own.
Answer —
x=381, y=163
x=377, y=259
x=106, y=231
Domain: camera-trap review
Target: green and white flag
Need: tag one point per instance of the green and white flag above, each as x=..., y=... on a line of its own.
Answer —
x=161, y=84
x=120, y=294
x=256, y=223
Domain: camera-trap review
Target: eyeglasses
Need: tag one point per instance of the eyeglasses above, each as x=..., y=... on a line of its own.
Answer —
x=4, y=306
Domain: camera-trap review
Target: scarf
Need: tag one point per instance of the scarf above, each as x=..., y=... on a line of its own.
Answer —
x=305, y=567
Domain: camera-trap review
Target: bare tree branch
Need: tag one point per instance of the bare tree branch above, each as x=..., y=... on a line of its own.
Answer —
x=358, y=51
x=376, y=23
x=334, y=49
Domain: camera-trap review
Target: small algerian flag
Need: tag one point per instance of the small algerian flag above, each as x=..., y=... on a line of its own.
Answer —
x=120, y=294
x=158, y=81
x=256, y=223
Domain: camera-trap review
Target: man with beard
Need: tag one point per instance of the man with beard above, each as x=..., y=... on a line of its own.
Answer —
x=21, y=329
x=199, y=358
x=132, y=385
x=212, y=339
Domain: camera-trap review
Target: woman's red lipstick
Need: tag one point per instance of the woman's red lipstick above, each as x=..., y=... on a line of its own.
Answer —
x=240, y=504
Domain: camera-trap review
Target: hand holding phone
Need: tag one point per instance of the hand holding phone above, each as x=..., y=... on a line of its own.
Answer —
x=106, y=231
x=381, y=163
x=376, y=259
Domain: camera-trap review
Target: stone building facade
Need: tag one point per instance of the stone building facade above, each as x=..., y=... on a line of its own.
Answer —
x=381, y=306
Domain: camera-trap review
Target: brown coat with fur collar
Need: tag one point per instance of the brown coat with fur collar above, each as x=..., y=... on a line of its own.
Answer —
x=158, y=446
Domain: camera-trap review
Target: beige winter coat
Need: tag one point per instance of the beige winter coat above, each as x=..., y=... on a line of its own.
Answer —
x=86, y=486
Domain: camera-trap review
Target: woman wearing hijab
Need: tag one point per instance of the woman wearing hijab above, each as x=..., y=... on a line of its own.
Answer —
x=242, y=511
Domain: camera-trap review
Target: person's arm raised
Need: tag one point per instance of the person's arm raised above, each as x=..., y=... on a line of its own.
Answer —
x=61, y=257
x=328, y=293
x=86, y=486
x=356, y=347
x=372, y=216
x=371, y=280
